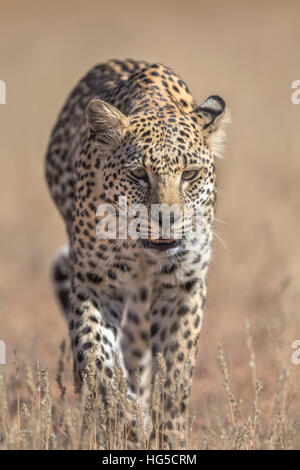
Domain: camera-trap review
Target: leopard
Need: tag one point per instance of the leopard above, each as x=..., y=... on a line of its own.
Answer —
x=132, y=129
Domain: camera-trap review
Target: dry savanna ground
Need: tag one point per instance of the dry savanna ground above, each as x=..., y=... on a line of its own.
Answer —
x=248, y=52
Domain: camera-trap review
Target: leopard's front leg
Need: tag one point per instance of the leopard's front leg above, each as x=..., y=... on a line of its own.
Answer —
x=176, y=319
x=98, y=363
x=134, y=341
x=96, y=342
x=92, y=338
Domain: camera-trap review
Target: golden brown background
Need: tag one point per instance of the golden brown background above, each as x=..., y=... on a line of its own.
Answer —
x=246, y=51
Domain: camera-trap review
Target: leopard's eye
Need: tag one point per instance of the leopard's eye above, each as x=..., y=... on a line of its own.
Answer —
x=138, y=174
x=191, y=175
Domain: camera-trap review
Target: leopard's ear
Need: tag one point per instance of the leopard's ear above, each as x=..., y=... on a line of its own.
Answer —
x=213, y=118
x=210, y=111
x=106, y=121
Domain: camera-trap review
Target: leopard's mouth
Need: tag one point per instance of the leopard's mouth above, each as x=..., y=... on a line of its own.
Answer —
x=160, y=244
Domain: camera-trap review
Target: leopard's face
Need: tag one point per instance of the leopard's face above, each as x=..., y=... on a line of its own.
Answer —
x=163, y=165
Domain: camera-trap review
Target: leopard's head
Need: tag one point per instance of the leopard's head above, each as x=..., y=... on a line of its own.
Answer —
x=163, y=161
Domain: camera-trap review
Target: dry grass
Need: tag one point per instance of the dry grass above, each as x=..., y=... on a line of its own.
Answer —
x=248, y=53
x=32, y=417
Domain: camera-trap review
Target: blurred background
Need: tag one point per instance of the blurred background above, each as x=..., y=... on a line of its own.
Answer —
x=248, y=52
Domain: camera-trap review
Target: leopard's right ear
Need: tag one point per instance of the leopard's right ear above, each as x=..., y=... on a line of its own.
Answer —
x=213, y=119
x=107, y=122
x=210, y=112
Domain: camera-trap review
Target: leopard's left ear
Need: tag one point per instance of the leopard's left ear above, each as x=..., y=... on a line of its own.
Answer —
x=210, y=111
x=212, y=118
x=106, y=121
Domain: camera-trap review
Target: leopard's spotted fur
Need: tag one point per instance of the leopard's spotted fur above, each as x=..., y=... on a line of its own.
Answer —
x=121, y=295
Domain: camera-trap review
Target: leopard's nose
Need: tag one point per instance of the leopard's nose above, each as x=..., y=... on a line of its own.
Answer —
x=160, y=218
